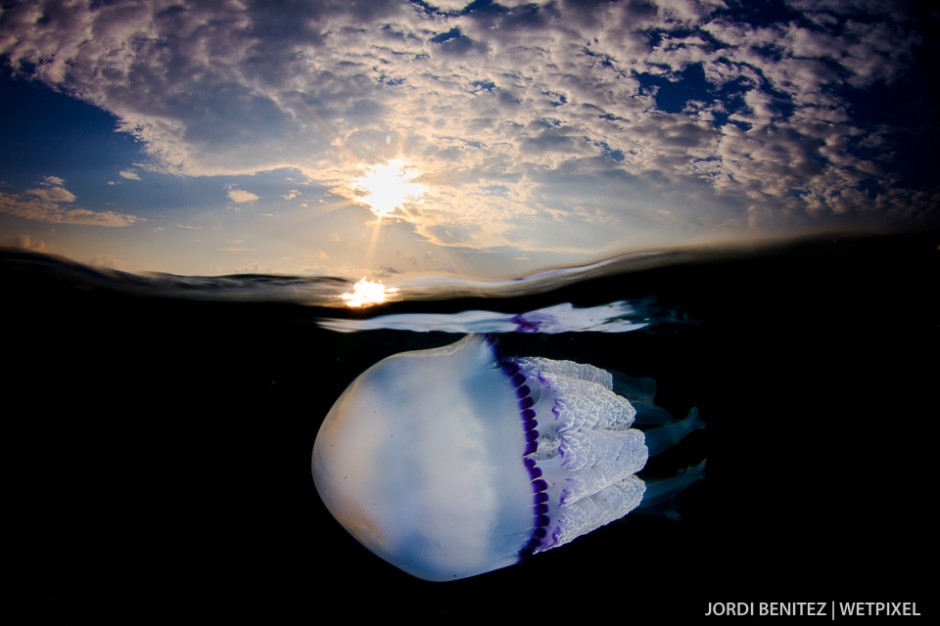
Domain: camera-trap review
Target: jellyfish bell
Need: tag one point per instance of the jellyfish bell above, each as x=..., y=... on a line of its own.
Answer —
x=453, y=462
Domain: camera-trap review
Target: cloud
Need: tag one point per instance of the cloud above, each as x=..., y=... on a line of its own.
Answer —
x=53, y=194
x=52, y=189
x=129, y=175
x=47, y=212
x=529, y=121
x=449, y=5
x=24, y=242
x=240, y=196
x=44, y=204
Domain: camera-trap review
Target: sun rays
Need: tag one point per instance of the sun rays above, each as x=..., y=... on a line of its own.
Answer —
x=386, y=189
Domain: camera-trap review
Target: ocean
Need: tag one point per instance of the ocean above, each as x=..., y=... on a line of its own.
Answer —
x=159, y=431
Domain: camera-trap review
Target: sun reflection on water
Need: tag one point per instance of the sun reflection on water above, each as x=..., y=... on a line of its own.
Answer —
x=368, y=293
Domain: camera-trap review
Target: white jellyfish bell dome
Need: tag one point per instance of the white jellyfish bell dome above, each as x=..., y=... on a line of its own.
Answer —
x=452, y=462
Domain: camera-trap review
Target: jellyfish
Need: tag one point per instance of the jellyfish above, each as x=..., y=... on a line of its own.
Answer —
x=456, y=461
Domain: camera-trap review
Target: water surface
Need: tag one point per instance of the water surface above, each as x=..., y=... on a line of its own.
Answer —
x=161, y=428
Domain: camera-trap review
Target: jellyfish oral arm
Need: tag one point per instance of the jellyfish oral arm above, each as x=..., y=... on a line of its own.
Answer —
x=586, y=450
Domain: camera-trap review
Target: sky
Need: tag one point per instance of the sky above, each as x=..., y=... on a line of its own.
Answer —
x=484, y=139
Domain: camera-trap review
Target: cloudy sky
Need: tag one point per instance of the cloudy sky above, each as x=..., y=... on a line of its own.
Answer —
x=486, y=138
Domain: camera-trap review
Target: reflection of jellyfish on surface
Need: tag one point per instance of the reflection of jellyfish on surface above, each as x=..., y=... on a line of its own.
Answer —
x=453, y=462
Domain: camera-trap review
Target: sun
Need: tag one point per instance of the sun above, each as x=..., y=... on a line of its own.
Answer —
x=387, y=187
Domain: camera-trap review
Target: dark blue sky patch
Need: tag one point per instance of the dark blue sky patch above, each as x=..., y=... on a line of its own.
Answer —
x=425, y=8
x=672, y=95
x=741, y=124
x=609, y=153
x=483, y=7
x=770, y=51
x=167, y=197
x=731, y=97
x=453, y=33
x=391, y=82
x=656, y=37
x=89, y=154
x=455, y=43
x=906, y=111
x=907, y=115
x=33, y=118
x=870, y=187
x=765, y=13
x=781, y=105
x=604, y=59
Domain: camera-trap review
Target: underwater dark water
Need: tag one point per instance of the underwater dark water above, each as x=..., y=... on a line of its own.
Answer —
x=159, y=439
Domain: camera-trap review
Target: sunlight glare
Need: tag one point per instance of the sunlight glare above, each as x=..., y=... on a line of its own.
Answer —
x=386, y=187
x=367, y=293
